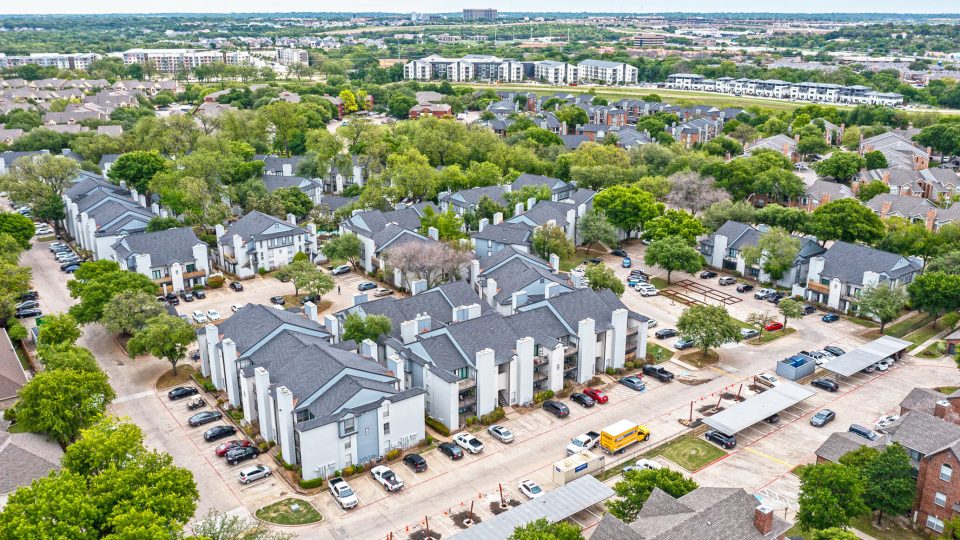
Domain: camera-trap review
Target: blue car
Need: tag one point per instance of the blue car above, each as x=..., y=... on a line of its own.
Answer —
x=627, y=262
x=633, y=383
x=366, y=286
x=830, y=317
x=633, y=281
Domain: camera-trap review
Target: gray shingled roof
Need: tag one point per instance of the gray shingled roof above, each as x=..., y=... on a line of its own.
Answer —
x=921, y=399
x=164, y=247
x=556, y=185
x=517, y=273
x=841, y=443
x=924, y=432
x=259, y=226
x=25, y=457
x=848, y=262
x=254, y=322
x=509, y=233
x=277, y=181
x=544, y=211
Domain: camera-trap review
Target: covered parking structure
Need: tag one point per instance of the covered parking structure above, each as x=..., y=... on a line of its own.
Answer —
x=758, y=408
x=554, y=506
x=866, y=355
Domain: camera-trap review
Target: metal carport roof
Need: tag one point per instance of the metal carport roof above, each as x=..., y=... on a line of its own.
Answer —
x=554, y=506
x=759, y=407
x=869, y=354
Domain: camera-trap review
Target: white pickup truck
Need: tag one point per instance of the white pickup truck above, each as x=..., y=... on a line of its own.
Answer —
x=586, y=441
x=342, y=493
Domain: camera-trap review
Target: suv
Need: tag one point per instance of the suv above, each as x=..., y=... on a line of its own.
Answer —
x=683, y=344
x=744, y=287
x=556, y=408
x=254, y=473
x=707, y=274
x=764, y=293
x=342, y=493
x=242, y=454
x=726, y=280
x=657, y=373
x=342, y=269
x=236, y=285
x=864, y=432
x=416, y=462
x=726, y=441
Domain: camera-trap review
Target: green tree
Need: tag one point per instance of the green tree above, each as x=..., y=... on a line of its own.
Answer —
x=294, y=201
x=549, y=239
x=448, y=224
x=62, y=402
x=830, y=496
x=107, y=443
x=137, y=168
x=349, y=101
x=721, y=212
x=56, y=506
x=890, y=485
x=400, y=104
x=942, y=137
x=67, y=356
x=359, y=328
x=834, y=533
x=59, y=329
x=948, y=263
x=935, y=293
x=96, y=283
x=882, y=302
x=34, y=180
x=636, y=487
x=602, y=276
x=859, y=459
x=674, y=223
x=344, y=247
x=573, y=116
x=166, y=337
x=846, y=220
x=163, y=223
x=318, y=283
x=875, y=160
x=300, y=273
x=840, y=165
x=542, y=529
x=914, y=239
x=790, y=309
x=760, y=319
x=627, y=207
x=790, y=218
x=708, y=327
x=286, y=120
x=673, y=253
x=217, y=525
x=775, y=252
x=872, y=189
x=21, y=228
x=128, y=312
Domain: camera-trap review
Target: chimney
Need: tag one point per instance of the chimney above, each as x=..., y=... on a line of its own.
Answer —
x=408, y=331
x=931, y=218
x=491, y=291
x=498, y=218
x=483, y=223
x=786, y=149
x=555, y=262
x=518, y=209
x=310, y=310
x=548, y=290
x=287, y=169
x=433, y=233
x=940, y=409
x=885, y=177
x=424, y=323
x=763, y=519
x=885, y=208
x=796, y=137
x=530, y=202
x=291, y=219
x=518, y=299
x=824, y=199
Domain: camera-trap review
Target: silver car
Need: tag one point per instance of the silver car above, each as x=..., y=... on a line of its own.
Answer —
x=500, y=433
x=254, y=473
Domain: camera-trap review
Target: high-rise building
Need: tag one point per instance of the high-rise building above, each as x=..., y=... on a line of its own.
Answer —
x=479, y=14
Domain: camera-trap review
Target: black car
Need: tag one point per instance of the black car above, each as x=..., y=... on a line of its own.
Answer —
x=556, y=408
x=236, y=285
x=25, y=313
x=744, y=287
x=162, y=299
x=594, y=261
x=181, y=392
x=277, y=300
x=238, y=454
x=582, y=399
x=310, y=298
x=836, y=351
x=219, y=432
x=200, y=294
x=450, y=450
x=826, y=384
x=204, y=417
x=657, y=373
x=665, y=333
x=29, y=295
x=68, y=264
x=775, y=298
x=187, y=296
x=808, y=309
x=823, y=418
x=619, y=253
x=726, y=441
x=172, y=298
x=772, y=419
x=708, y=274
x=72, y=268
x=416, y=462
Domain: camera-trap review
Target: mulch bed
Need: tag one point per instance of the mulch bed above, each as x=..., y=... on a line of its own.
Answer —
x=460, y=519
x=422, y=535
x=496, y=509
x=730, y=396
x=709, y=410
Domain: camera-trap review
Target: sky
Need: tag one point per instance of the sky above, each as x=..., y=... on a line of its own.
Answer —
x=192, y=6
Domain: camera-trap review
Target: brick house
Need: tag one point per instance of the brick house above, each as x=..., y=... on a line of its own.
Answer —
x=438, y=110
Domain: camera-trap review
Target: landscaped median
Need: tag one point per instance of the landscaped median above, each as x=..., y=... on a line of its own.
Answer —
x=290, y=512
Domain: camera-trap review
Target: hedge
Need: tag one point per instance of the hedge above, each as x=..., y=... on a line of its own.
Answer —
x=215, y=282
x=540, y=397
x=310, y=484
x=491, y=417
x=437, y=426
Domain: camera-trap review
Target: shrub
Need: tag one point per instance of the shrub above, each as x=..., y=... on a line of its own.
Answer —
x=262, y=271
x=358, y=468
x=540, y=397
x=215, y=282
x=629, y=365
x=595, y=381
x=611, y=371
x=198, y=287
x=392, y=454
x=284, y=464
x=10, y=415
x=471, y=420
x=16, y=331
x=437, y=426
x=310, y=484
x=950, y=319
x=338, y=473
x=493, y=416
x=348, y=470
x=209, y=239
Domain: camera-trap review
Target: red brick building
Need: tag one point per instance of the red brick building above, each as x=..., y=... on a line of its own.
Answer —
x=438, y=110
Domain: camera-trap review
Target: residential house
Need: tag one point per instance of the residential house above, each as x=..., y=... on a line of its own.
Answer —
x=284, y=166
x=724, y=249
x=467, y=200
x=822, y=191
x=512, y=270
x=8, y=136
x=311, y=187
x=698, y=130
x=25, y=457
x=371, y=227
x=99, y=213
x=438, y=110
x=174, y=258
x=258, y=242
x=559, y=189
x=492, y=238
x=934, y=184
x=782, y=144
x=914, y=210
x=901, y=152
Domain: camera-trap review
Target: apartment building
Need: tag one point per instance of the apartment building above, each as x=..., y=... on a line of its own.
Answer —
x=554, y=72
x=773, y=88
x=648, y=40
x=175, y=259
x=467, y=68
x=914, y=210
x=258, y=242
x=76, y=61
x=291, y=56
x=606, y=72
x=485, y=14
x=99, y=214
x=376, y=229
x=901, y=152
x=174, y=60
x=724, y=250
x=934, y=184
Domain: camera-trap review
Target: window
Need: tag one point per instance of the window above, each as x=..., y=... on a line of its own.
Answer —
x=192, y=267
x=939, y=499
x=386, y=409
x=348, y=444
x=935, y=524
x=348, y=426
x=157, y=274
x=386, y=429
x=946, y=472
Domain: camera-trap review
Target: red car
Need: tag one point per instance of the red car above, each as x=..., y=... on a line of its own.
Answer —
x=597, y=395
x=771, y=326
x=230, y=445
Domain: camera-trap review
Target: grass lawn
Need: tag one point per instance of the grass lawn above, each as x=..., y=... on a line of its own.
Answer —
x=696, y=358
x=930, y=352
x=652, y=353
x=16, y=428
x=904, y=327
x=184, y=375
x=866, y=323
x=947, y=389
x=659, y=282
x=767, y=337
x=691, y=453
x=919, y=336
x=293, y=300
x=891, y=530
x=282, y=513
x=567, y=264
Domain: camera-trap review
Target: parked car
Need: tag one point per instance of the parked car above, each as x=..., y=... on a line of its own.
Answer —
x=830, y=317
x=808, y=309
x=277, y=300
x=27, y=313
x=726, y=280
x=366, y=286
x=213, y=315
x=823, y=418
x=762, y=294
x=236, y=307
x=626, y=262
x=773, y=325
x=199, y=317
x=724, y=440
x=772, y=419
x=181, y=392
x=864, y=432
x=882, y=365
x=241, y=454
x=652, y=323
x=342, y=269
x=236, y=285
x=767, y=379
x=468, y=442
x=869, y=369
x=643, y=465
x=582, y=399
x=825, y=384
x=775, y=298
x=72, y=268
x=683, y=344
x=173, y=299
x=254, y=473
x=500, y=433
x=748, y=333
x=665, y=333
x=707, y=274
x=633, y=281
x=29, y=304
x=187, y=296
x=530, y=489
x=596, y=394
x=744, y=287
x=342, y=493
x=450, y=450
x=618, y=253
x=204, y=417
x=382, y=291
x=884, y=422
x=28, y=295
x=645, y=289
x=222, y=449
x=657, y=373
x=387, y=478
x=634, y=383
x=556, y=408
x=836, y=351
x=640, y=273
x=219, y=432
x=594, y=260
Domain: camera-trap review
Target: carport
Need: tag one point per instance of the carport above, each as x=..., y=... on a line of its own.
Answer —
x=858, y=359
x=758, y=408
x=553, y=506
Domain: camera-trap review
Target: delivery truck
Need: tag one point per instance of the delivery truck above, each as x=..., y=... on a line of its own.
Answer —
x=616, y=438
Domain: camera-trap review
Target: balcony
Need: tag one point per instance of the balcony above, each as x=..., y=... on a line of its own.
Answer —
x=818, y=287
x=466, y=384
x=540, y=360
x=195, y=274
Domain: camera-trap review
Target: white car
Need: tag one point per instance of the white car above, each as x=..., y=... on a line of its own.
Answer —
x=652, y=323
x=236, y=307
x=468, y=442
x=213, y=315
x=645, y=289
x=342, y=493
x=884, y=421
x=500, y=433
x=530, y=489
x=882, y=365
x=387, y=478
x=643, y=465
x=199, y=317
